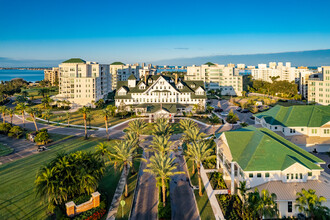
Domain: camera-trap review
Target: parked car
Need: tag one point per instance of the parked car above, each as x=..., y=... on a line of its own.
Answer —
x=217, y=109
x=245, y=111
x=41, y=148
x=238, y=109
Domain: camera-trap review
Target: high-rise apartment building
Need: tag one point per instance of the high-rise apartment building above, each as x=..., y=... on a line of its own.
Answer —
x=120, y=72
x=283, y=72
x=217, y=76
x=319, y=87
x=52, y=76
x=83, y=83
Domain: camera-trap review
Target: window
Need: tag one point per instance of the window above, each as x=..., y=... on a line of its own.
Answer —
x=251, y=175
x=287, y=176
x=300, y=175
x=267, y=175
x=302, y=129
x=314, y=131
x=326, y=131
x=258, y=175
x=289, y=206
x=310, y=173
x=296, y=175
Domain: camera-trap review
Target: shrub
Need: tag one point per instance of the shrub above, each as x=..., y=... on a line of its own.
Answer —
x=5, y=128
x=232, y=118
x=15, y=131
x=42, y=137
x=244, y=124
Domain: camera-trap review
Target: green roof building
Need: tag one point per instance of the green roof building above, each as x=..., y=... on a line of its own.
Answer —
x=74, y=60
x=309, y=120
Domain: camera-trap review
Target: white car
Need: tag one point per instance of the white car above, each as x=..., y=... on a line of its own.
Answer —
x=224, y=113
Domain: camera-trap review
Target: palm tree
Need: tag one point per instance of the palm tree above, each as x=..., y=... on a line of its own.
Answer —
x=3, y=110
x=162, y=127
x=46, y=101
x=10, y=111
x=89, y=119
x=310, y=204
x=193, y=134
x=22, y=108
x=85, y=110
x=198, y=152
x=262, y=205
x=123, y=153
x=43, y=92
x=243, y=189
x=68, y=116
x=162, y=167
x=33, y=112
x=214, y=120
x=161, y=144
x=47, y=114
x=186, y=124
x=137, y=126
x=112, y=109
x=106, y=114
x=25, y=93
x=209, y=109
x=102, y=150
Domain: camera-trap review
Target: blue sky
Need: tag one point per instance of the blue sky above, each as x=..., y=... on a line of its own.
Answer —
x=135, y=31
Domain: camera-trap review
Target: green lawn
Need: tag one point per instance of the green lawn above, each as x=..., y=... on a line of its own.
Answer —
x=203, y=203
x=17, y=196
x=34, y=91
x=97, y=118
x=150, y=129
x=5, y=150
x=132, y=179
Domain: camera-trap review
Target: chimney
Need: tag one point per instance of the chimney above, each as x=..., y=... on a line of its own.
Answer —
x=176, y=78
x=145, y=77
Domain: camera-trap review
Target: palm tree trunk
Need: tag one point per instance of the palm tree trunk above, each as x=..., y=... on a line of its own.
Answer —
x=164, y=192
x=11, y=120
x=199, y=180
x=23, y=119
x=126, y=190
x=3, y=118
x=35, y=123
x=68, y=122
x=193, y=167
x=85, y=123
x=106, y=128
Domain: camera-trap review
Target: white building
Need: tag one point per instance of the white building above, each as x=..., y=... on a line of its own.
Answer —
x=83, y=83
x=120, y=72
x=265, y=73
x=158, y=94
x=146, y=71
x=217, y=76
x=266, y=160
x=319, y=87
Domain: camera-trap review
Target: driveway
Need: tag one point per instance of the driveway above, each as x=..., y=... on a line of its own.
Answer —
x=145, y=205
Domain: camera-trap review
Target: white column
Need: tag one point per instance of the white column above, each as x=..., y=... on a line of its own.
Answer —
x=218, y=158
x=232, y=188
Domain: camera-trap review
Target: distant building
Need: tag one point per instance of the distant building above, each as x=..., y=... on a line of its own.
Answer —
x=83, y=83
x=52, y=76
x=217, y=76
x=146, y=71
x=159, y=96
x=266, y=160
x=310, y=120
x=120, y=72
x=265, y=73
x=319, y=87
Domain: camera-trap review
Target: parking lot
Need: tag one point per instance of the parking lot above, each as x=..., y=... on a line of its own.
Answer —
x=227, y=106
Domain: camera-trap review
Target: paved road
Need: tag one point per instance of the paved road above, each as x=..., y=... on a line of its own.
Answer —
x=183, y=203
x=146, y=205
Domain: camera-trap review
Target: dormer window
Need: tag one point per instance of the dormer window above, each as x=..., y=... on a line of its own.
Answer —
x=192, y=85
x=150, y=81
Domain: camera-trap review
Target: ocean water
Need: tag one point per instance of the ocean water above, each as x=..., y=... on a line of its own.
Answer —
x=28, y=75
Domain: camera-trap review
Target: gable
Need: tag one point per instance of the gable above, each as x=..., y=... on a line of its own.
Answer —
x=161, y=84
x=296, y=168
x=122, y=91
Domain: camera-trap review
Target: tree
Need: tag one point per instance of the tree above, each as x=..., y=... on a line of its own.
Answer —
x=102, y=150
x=33, y=112
x=244, y=93
x=137, y=126
x=310, y=204
x=243, y=189
x=186, y=124
x=16, y=131
x=262, y=205
x=193, y=134
x=84, y=111
x=89, y=119
x=68, y=116
x=46, y=101
x=160, y=144
x=42, y=137
x=162, y=127
x=25, y=93
x=106, y=113
x=112, y=109
x=198, y=152
x=232, y=118
x=22, y=108
x=209, y=109
x=46, y=115
x=99, y=103
x=43, y=92
x=214, y=120
x=123, y=153
x=68, y=176
x=10, y=112
x=3, y=110
x=162, y=167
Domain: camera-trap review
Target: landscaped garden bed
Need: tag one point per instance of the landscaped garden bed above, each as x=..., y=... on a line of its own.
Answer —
x=231, y=206
x=216, y=180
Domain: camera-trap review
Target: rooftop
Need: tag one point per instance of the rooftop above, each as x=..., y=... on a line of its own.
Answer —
x=297, y=115
x=259, y=149
x=74, y=60
x=117, y=63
